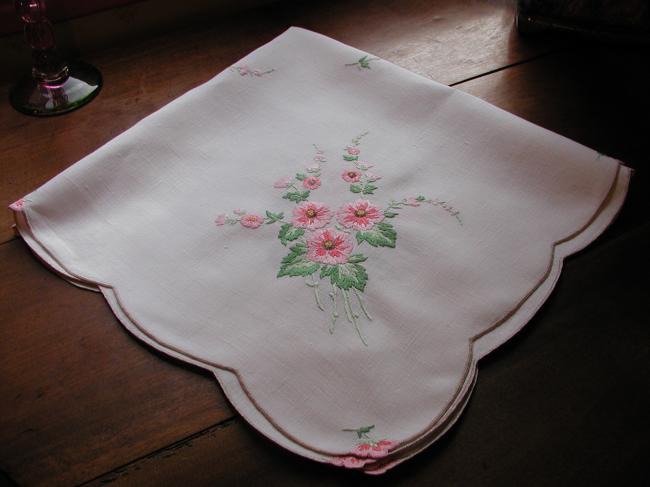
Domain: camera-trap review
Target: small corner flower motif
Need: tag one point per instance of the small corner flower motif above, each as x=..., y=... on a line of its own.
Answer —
x=366, y=449
x=364, y=62
x=349, y=462
x=244, y=70
x=18, y=205
x=325, y=245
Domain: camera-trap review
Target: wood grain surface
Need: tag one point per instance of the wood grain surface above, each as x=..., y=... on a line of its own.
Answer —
x=561, y=404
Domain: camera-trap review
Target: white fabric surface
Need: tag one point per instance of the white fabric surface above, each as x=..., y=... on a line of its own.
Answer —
x=136, y=220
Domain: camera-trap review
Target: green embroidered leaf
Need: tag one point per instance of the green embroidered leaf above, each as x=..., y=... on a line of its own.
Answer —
x=301, y=177
x=369, y=188
x=295, y=263
x=364, y=62
x=326, y=271
x=364, y=430
x=390, y=214
x=356, y=258
x=351, y=158
x=274, y=217
x=299, y=248
x=420, y=198
x=381, y=235
x=296, y=196
x=289, y=233
x=355, y=188
x=347, y=276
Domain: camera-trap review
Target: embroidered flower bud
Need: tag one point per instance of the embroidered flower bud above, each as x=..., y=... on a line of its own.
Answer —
x=413, y=201
x=312, y=182
x=364, y=166
x=351, y=175
x=283, y=183
x=353, y=151
x=251, y=221
x=221, y=219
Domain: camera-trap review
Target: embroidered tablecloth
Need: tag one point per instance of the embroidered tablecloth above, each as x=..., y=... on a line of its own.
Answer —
x=337, y=239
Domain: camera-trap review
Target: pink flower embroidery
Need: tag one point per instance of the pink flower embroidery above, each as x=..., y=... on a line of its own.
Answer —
x=413, y=202
x=17, y=205
x=360, y=215
x=312, y=182
x=243, y=70
x=311, y=215
x=251, y=221
x=364, y=165
x=351, y=176
x=329, y=246
x=282, y=183
x=374, y=450
x=320, y=243
x=349, y=462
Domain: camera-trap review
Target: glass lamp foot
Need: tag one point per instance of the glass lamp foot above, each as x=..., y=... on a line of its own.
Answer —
x=45, y=98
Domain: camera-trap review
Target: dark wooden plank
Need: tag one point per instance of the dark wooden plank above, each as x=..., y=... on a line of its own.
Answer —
x=564, y=403
x=79, y=394
x=446, y=40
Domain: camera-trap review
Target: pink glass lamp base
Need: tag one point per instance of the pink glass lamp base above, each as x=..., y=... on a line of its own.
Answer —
x=72, y=90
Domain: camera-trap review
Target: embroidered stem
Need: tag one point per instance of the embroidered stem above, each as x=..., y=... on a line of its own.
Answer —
x=315, y=284
x=357, y=140
x=363, y=308
x=335, y=313
x=351, y=316
x=346, y=306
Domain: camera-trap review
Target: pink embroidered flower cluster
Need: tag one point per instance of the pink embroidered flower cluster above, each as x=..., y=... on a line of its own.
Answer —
x=323, y=242
x=368, y=448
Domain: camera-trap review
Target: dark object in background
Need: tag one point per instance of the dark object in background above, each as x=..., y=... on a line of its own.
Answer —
x=609, y=20
x=54, y=86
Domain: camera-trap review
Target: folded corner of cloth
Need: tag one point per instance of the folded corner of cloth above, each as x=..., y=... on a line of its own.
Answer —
x=337, y=239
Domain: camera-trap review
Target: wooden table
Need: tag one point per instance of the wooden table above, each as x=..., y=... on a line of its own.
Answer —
x=564, y=403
